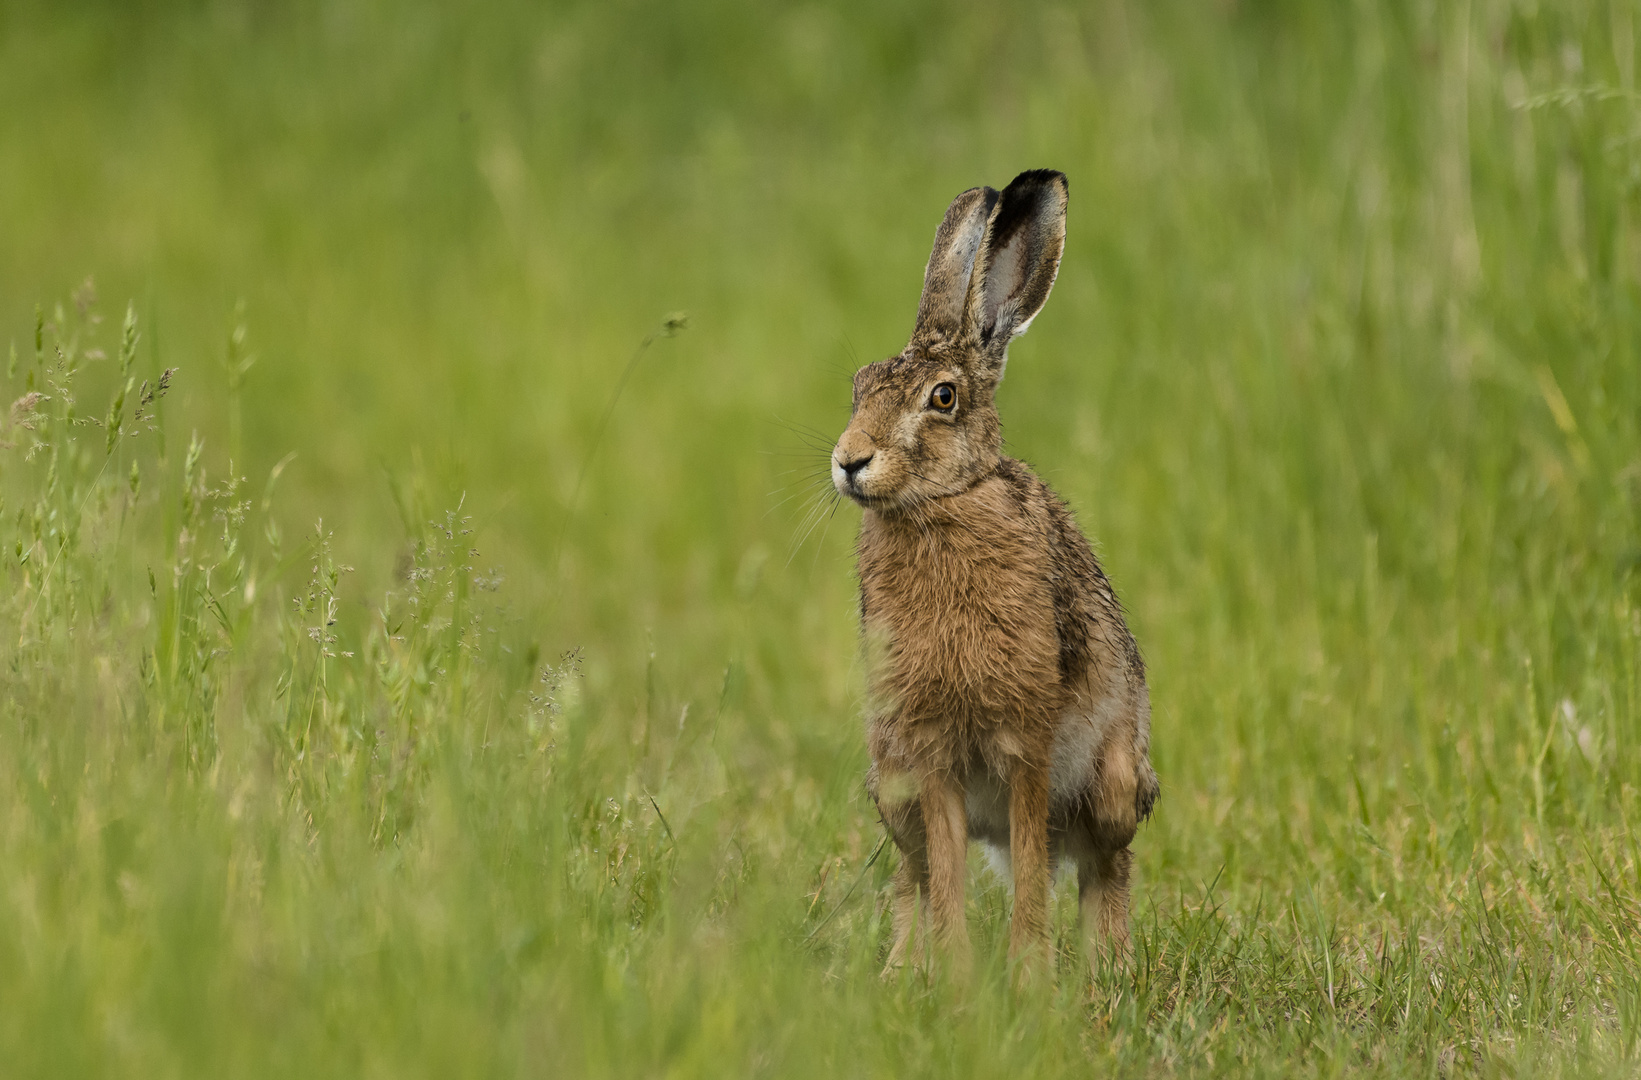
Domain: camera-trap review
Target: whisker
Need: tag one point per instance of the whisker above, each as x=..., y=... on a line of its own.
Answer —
x=802, y=483
x=801, y=478
x=816, y=447
x=811, y=454
x=810, y=505
x=820, y=545
x=814, y=468
x=850, y=352
x=818, y=512
x=804, y=431
x=811, y=491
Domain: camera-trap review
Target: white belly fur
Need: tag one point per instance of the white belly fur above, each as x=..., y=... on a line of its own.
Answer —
x=1071, y=771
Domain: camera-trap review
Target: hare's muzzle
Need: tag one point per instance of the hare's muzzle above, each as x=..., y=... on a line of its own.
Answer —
x=846, y=473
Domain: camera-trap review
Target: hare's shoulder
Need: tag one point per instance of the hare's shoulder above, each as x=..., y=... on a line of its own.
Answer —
x=1088, y=616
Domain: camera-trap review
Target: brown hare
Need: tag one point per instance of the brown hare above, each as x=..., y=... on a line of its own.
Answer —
x=1007, y=698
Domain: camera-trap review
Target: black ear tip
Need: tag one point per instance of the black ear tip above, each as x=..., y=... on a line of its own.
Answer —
x=1041, y=178
x=980, y=199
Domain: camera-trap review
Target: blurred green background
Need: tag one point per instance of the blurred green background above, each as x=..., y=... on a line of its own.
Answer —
x=1340, y=371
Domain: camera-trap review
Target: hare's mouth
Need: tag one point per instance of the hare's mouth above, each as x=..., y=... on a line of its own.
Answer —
x=847, y=477
x=882, y=501
x=851, y=487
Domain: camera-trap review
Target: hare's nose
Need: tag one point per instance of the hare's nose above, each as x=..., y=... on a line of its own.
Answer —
x=850, y=468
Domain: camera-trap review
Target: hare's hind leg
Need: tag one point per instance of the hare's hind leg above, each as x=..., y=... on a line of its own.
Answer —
x=1102, y=900
x=1110, y=818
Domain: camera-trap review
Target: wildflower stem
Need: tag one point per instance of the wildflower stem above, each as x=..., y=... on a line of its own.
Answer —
x=671, y=326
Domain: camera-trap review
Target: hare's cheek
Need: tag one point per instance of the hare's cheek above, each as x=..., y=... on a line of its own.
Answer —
x=940, y=448
x=909, y=431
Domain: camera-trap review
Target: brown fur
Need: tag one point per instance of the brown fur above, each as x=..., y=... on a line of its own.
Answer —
x=1009, y=702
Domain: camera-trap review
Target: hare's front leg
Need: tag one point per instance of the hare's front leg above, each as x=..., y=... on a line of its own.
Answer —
x=1028, y=852
x=911, y=886
x=946, y=833
x=896, y=792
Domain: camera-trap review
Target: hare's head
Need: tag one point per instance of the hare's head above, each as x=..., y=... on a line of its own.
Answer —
x=924, y=423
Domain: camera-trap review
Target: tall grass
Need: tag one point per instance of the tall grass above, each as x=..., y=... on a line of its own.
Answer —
x=1341, y=371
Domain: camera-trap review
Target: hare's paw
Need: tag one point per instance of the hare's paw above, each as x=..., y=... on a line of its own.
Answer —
x=1146, y=791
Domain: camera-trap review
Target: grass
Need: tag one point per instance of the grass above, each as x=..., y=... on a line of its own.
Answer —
x=1341, y=370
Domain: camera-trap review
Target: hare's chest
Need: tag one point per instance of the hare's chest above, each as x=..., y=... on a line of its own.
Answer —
x=958, y=624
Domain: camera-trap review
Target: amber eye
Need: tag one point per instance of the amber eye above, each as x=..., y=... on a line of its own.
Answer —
x=943, y=397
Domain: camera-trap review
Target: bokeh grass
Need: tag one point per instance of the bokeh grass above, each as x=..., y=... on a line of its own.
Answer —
x=1341, y=370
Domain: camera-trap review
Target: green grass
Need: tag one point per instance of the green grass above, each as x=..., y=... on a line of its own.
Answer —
x=1341, y=370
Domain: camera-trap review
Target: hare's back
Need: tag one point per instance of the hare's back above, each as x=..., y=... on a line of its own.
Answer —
x=1095, y=645
x=1102, y=738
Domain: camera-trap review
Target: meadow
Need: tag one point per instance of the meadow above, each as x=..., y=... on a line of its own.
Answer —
x=429, y=644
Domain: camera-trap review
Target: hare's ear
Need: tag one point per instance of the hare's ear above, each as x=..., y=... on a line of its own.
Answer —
x=951, y=265
x=1016, y=265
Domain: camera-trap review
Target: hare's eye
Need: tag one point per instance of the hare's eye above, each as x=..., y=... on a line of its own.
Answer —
x=943, y=397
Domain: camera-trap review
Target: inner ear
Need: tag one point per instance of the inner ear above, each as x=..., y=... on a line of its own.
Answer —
x=1011, y=262
x=951, y=265
x=1020, y=257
